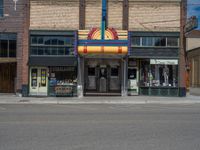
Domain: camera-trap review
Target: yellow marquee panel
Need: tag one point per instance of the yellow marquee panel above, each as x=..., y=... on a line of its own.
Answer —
x=102, y=50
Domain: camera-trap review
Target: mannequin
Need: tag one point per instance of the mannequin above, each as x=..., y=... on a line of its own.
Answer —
x=166, y=75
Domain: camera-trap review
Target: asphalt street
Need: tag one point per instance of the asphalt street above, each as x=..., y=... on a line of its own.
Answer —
x=100, y=127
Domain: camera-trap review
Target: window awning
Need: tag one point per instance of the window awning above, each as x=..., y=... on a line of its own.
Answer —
x=52, y=61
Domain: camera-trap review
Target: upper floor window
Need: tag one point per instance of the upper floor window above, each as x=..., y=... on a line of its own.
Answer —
x=155, y=41
x=160, y=41
x=1, y=8
x=8, y=48
x=147, y=41
x=172, y=41
x=135, y=41
x=52, y=45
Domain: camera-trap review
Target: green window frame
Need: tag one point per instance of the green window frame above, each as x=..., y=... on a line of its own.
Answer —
x=52, y=45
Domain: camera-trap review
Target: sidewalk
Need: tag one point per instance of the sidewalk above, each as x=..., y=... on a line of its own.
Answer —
x=12, y=99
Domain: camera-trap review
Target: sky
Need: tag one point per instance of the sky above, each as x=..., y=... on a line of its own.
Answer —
x=194, y=9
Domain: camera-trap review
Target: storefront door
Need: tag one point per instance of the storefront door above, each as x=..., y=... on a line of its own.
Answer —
x=114, y=79
x=38, y=81
x=103, y=79
x=133, y=81
x=7, y=77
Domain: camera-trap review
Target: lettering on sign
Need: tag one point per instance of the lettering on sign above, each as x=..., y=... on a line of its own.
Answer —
x=164, y=62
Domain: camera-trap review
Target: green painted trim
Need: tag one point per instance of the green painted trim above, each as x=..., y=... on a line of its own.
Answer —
x=51, y=32
x=154, y=34
x=149, y=90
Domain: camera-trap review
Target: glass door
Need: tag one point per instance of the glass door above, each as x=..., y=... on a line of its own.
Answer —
x=133, y=81
x=103, y=79
x=115, y=82
x=38, y=81
x=91, y=78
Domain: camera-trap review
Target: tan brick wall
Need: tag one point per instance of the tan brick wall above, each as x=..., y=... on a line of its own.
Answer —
x=154, y=16
x=54, y=14
x=93, y=13
x=115, y=14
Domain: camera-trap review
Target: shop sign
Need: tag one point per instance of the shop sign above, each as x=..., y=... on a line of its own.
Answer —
x=192, y=23
x=164, y=62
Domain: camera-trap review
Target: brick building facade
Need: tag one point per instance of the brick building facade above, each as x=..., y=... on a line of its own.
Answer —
x=145, y=58
x=14, y=25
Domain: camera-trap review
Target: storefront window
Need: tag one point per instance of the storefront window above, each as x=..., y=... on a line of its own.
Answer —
x=63, y=81
x=158, y=75
x=63, y=75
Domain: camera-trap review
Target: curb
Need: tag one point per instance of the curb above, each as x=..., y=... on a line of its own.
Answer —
x=100, y=102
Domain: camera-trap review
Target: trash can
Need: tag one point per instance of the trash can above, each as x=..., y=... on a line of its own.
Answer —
x=24, y=90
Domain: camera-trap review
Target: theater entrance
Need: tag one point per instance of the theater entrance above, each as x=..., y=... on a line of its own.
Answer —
x=103, y=77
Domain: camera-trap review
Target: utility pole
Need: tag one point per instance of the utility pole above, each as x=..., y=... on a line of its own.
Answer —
x=182, y=51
